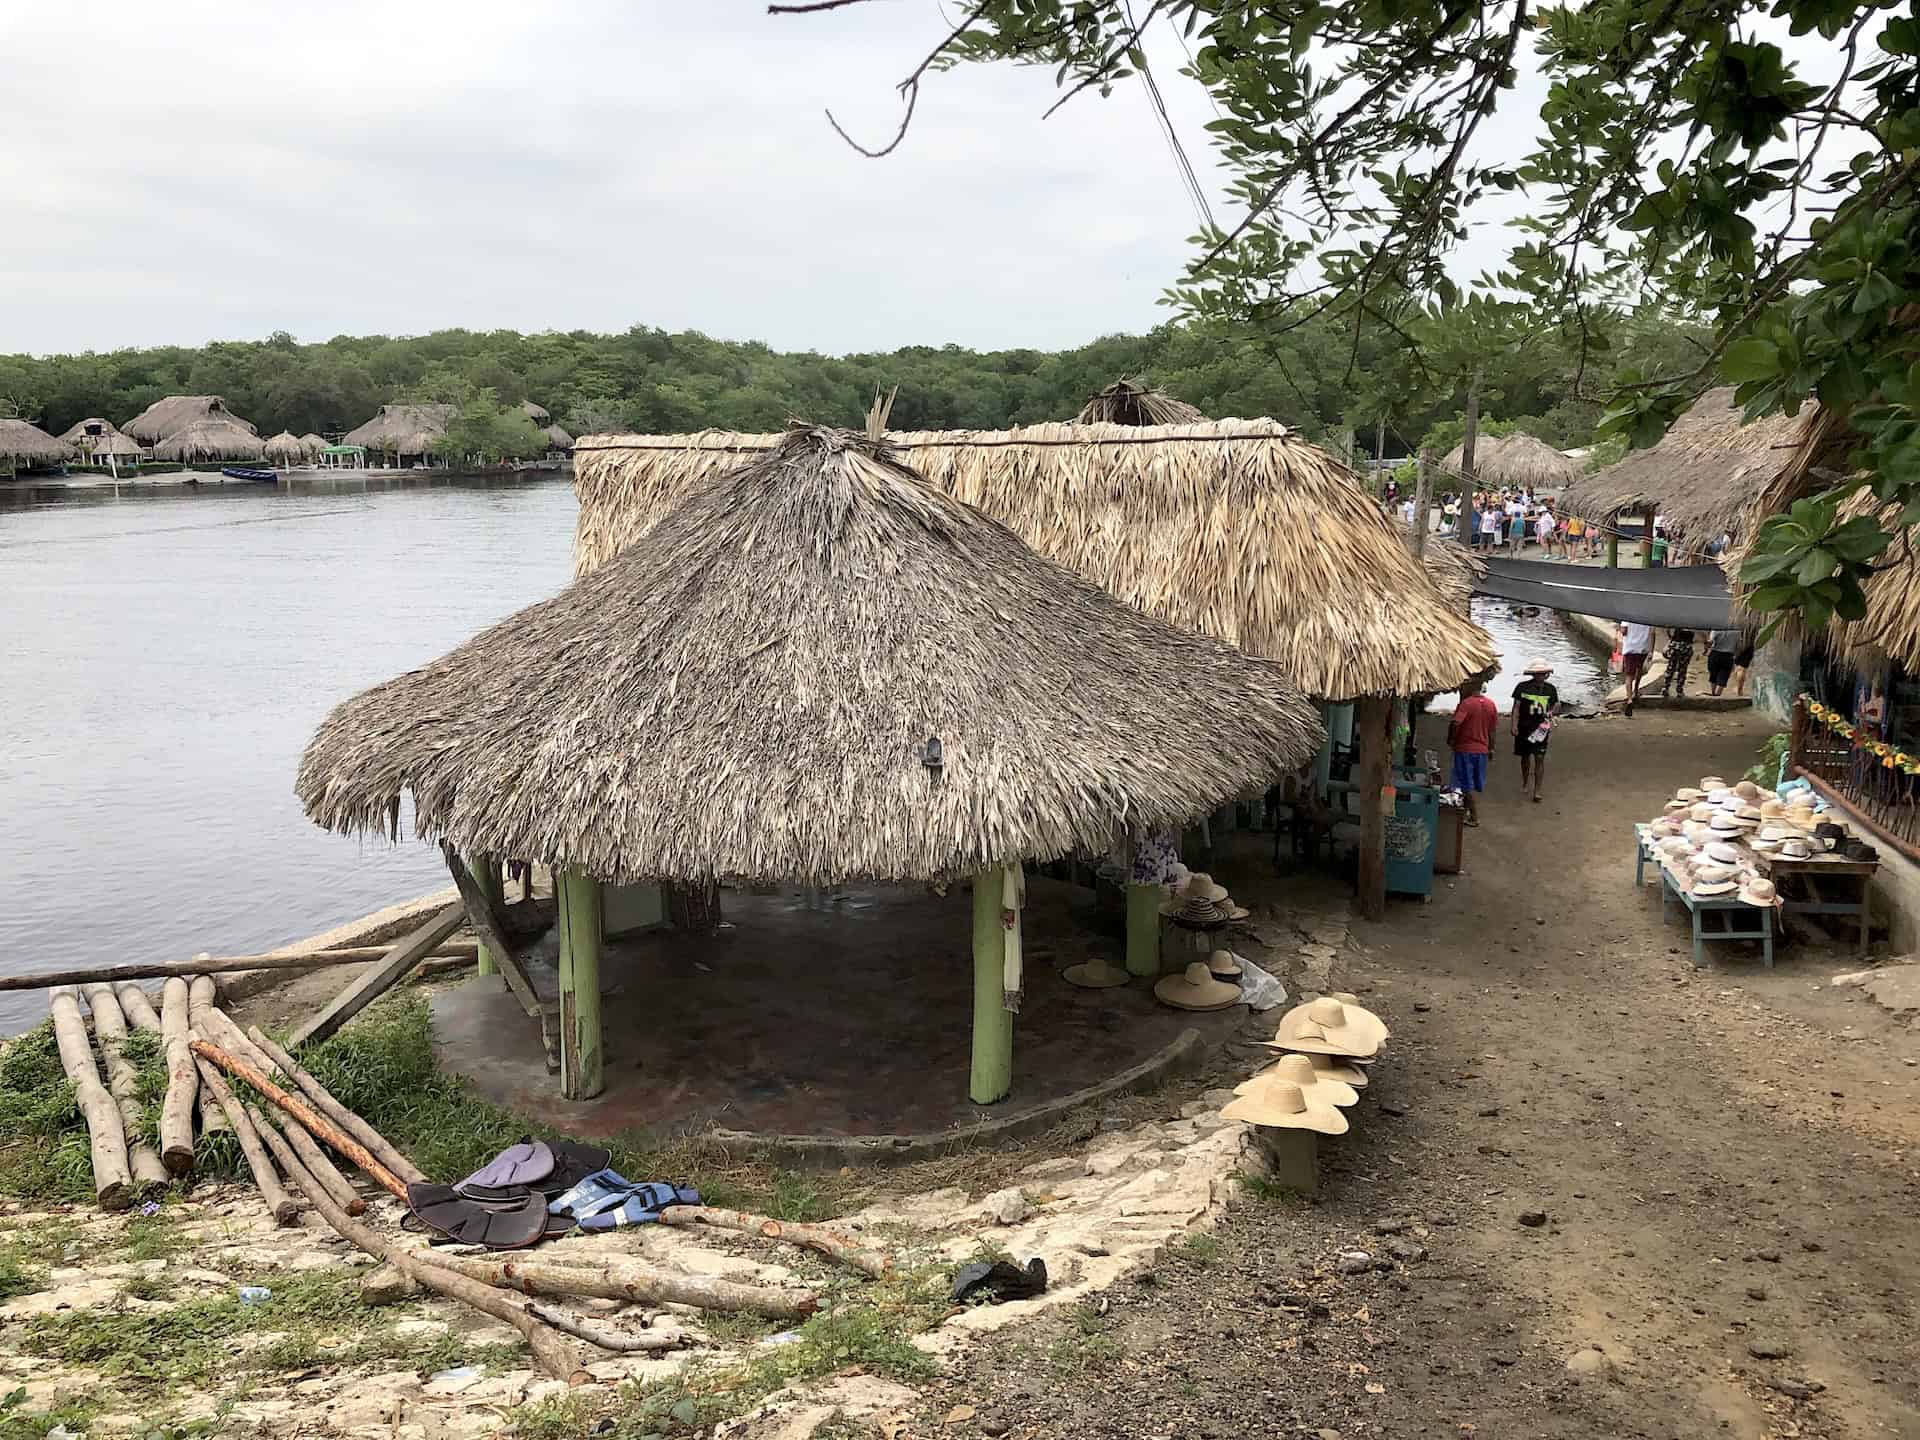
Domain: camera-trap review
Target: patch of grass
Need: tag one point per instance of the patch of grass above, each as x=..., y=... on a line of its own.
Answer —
x=559, y=1417
x=146, y=1287
x=154, y=1237
x=1088, y=1344
x=1259, y=1187
x=796, y=1197
x=74, y=1412
x=737, y=1326
x=1202, y=1250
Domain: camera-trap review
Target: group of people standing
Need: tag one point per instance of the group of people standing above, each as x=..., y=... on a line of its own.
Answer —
x=1511, y=519
x=1729, y=658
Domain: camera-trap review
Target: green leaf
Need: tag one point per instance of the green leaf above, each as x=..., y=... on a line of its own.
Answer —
x=1751, y=359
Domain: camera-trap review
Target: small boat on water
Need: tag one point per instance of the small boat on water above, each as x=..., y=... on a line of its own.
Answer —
x=241, y=472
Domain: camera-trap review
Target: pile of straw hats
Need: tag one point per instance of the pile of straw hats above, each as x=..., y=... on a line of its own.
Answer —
x=1326, y=1045
x=1715, y=839
x=1202, y=901
x=1195, y=988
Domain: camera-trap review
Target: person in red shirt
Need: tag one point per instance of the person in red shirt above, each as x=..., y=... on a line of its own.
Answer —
x=1470, y=737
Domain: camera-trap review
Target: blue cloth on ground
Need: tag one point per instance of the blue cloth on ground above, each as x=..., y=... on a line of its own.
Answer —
x=608, y=1190
x=643, y=1207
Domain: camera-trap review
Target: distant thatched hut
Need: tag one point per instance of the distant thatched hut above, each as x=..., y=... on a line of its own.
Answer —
x=1515, y=462
x=314, y=445
x=286, y=448
x=1701, y=478
x=812, y=666
x=557, y=438
x=1134, y=402
x=97, y=440
x=26, y=446
x=164, y=417
x=401, y=431
x=215, y=437
x=539, y=414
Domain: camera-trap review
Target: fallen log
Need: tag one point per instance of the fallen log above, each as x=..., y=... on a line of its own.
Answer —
x=832, y=1244
x=393, y=965
x=303, y=1113
x=286, y=1211
x=315, y=1160
x=383, y=1150
x=616, y=1279
x=106, y=1133
x=183, y=1079
x=221, y=965
x=123, y=1083
x=619, y=1341
x=555, y=1353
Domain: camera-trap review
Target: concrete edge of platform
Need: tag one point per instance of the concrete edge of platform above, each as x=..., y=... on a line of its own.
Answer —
x=832, y=1151
x=375, y=929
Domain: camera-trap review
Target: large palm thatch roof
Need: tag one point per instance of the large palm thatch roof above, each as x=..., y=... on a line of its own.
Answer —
x=108, y=442
x=539, y=414
x=23, y=442
x=1237, y=529
x=1702, y=476
x=313, y=443
x=557, y=437
x=214, y=438
x=1515, y=462
x=1134, y=402
x=750, y=689
x=402, y=429
x=1451, y=566
x=162, y=418
x=286, y=448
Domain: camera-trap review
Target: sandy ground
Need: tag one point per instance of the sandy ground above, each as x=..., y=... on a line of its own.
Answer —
x=1725, y=1160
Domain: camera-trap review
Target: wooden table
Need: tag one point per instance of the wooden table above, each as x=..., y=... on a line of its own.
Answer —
x=1733, y=911
x=1823, y=879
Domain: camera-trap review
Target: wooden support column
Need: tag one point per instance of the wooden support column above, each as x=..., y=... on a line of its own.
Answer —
x=486, y=870
x=582, y=1074
x=992, y=1025
x=1143, y=929
x=1613, y=544
x=1372, y=719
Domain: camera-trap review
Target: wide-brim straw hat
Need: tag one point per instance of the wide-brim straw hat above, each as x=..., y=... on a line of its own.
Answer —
x=1721, y=853
x=1331, y=1027
x=1712, y=782
x=1342, y=1068
x=1300, y=1070
x=1098, y=973
x=1688, y=793
x=1760, y=892
x=1282, y=1105
x=1712, y=889
x=1202, y=886
x=1539, y=667
x=1195, y=989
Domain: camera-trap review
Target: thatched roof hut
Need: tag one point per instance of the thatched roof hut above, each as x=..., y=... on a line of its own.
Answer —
x=313, y=444
x=1451, y=566
x=750, y=689
x=286, y=448
x=1515, y=462
x=164, y=417
x=23, y=443
x=214, y=438
x=557, y=438
x=402, y=429
x=1134, y=402
x=109, y=440
x=1237, y=529
x=1702, y=476
x=539, y=414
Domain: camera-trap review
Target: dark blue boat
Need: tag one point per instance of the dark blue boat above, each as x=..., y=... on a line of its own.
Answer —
x=240, y=472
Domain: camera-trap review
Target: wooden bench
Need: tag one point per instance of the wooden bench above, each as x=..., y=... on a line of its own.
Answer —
x=1741, y=919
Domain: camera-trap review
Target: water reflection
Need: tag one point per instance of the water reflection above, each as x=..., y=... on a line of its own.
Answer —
x=1524, y=633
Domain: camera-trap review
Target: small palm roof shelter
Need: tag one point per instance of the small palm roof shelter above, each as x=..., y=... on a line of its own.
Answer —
x=23, y=443
x=215, y=437
x=96, y=439
x=1134, y=402
x=286, y=448
x=165, y=417
x=815, y=667
x=1515, y=462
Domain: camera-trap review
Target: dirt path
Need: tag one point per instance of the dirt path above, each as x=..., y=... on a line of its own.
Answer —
x=1726, y=1160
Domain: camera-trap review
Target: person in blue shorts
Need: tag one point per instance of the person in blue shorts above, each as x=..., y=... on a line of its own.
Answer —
x=1470, y=737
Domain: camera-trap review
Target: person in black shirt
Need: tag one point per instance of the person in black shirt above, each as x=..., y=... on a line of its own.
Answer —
x=1534, y=703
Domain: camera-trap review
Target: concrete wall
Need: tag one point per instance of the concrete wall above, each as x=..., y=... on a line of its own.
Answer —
x=1775, y=679
x=1896, y=900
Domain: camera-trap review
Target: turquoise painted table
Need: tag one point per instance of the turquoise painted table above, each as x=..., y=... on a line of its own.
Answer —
x=1739, y=920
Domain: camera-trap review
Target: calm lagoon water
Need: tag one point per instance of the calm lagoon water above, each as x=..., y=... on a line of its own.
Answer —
x=167, y=654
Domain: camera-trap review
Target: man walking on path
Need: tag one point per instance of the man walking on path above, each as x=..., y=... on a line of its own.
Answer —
x=1679, y=658
x=1470, y=737
x=1636, y=644
x=1534, y=703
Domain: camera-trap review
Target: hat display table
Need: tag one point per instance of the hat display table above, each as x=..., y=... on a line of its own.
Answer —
x=1825, y=885
x=1739, y=920
x=1642, y=855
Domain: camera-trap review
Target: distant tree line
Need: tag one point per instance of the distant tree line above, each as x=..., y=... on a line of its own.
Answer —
x=1315, y=377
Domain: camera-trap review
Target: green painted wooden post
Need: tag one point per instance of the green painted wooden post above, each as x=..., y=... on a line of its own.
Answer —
x=992, y=1024
x=582, y=1074
x=1613, y=548
x=1143, y=929
x=486, y=870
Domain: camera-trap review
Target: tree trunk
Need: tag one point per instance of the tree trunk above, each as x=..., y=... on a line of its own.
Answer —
x=620, y=1341
x=1379, y=442
x=183, y=1079
x=811, y=1237
x=110, y=1029
x=106, y=1133
x=316, y=1163
x=340, y=1115
x=286, y=1211
x=1372, y=715
x=221, y=965
x=622, y=1279
x=693, y=908
x=1422, y=502
x=1468, y=467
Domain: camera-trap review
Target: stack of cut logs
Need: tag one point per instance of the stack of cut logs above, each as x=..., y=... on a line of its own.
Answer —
x=204, y=1047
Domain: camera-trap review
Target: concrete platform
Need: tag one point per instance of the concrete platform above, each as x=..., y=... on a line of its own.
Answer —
x=842, y=1015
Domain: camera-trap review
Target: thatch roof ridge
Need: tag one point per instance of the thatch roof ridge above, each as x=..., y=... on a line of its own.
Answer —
x=285, y=446
x=1703, y=475
x=109, y=442
x=402, y=428
x=23, y=440
x=1132, y=401
x=749, y=688
x=1238, y=529
x=215, y=437
x=1515, y=461
x=557, y=437
x=175, y=412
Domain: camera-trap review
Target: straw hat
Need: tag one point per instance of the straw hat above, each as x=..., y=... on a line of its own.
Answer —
x=1696, y=833
x=1712, y=889
x=1721, y=795
x=1749, y=815
x=1676, y=804
x=1224, y=965
x=1796, y=848
x=1712, y=873
x=1724, y=824
x=1747, y=790
x=1339, y=1067
x=1282, y=1105
x=1759, y=892
x=1539, y=667
x=1773, y=809
x=1674, y=845
x=1701, y=811
x=1299, y=1070
x=1688, y=794
x=1098, y=973
x=1201, y=886
x=1712, y=782
x=1196, y=989
x=1331, y=1027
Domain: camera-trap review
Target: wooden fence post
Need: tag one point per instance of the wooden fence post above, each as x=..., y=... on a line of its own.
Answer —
x=992, y=1075
x=582, y=1071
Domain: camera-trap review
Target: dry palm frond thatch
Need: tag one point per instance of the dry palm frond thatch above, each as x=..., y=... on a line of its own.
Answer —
x=402, y=429
x=286, y=448
x=214, y=438
x=755, y=689
x=108, y=440
x=162, y=418
x=24, y=443
x=1702, y=476
x=557, y=438
x=313, y=444
x=1515, y=462
x=1451, y=567
x=1236, y=529
x=1134, y=402
x=539, y=414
